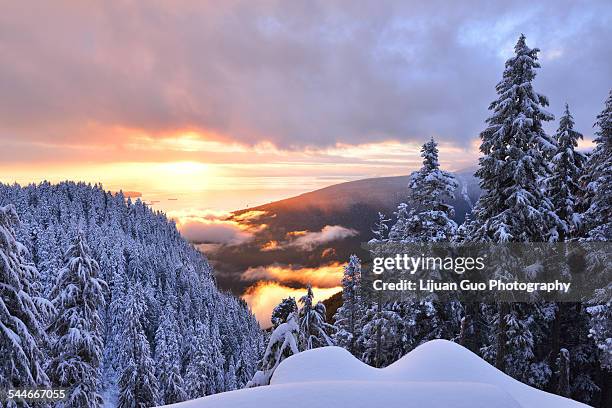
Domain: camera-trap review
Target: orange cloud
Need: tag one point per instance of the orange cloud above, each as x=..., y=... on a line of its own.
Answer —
x=296, y=233
x=309, y=240
x=269, y=246
x=249, y=215
x=215, y=227
x=325, y=276
x=264, y=296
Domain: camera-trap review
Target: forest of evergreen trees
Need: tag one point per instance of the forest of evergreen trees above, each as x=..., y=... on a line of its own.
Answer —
x=536, y=188
x=102, y=296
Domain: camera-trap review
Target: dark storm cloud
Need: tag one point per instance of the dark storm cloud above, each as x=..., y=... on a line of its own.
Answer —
x=292, y=72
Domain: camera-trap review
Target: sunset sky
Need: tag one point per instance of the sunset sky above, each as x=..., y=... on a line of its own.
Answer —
x=235, y=104
x=216, y=106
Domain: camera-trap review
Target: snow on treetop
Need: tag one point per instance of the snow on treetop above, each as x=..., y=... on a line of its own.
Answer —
x=437, y=374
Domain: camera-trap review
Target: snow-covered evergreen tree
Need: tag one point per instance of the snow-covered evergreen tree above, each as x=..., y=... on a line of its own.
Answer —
x=381, y=229
x=601, y=332
x=314, y=330
x=78, y=296
x=348, y=316
x=563, y=184
x=598, y=180
x=283, y=343
x=21, y=312
x=597, y=226
x=137, y=383
x=399, y=230
x=521, y=325
x=380, y=339
x=215, y=374
x=513, y=206
x=281, y=312
x=429, y=218
x=167, y=357
x=197, y=377
x=564, y=190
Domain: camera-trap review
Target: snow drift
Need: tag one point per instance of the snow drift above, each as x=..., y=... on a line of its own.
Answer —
x=438, y=374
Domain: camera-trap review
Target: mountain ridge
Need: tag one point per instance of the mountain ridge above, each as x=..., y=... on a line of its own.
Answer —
x=351, y=205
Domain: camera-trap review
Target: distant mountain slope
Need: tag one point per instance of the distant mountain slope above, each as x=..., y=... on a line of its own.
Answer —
x=353, y=205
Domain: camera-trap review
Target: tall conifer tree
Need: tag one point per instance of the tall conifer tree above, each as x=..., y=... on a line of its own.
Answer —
x=21, y=312
x=563, y=184
x=513, y=206
x=78, y=296
x=348, y=316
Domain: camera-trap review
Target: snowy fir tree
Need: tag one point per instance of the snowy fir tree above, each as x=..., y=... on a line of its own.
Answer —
x=393, y=329
x=167, y=357
x=348, y=316
x=399, y=230
x=283, y=343
x=563, y=183
x=513, y=206
x=205, y=374
x=569, y=323
x=78, y=296
x=598, y=180
x=216, y=373
x=597, y=226
x=137, y=382
x=381, y=229
x=314, y=330
x=601, y=332
x=429, y=218
x=22, y=312
x=198, y=369
x=380, y=340
x=283, y=310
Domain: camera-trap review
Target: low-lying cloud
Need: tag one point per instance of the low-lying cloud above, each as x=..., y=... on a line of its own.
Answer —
x=217, y=227
x=217, y=231
x=324, y=276
x=308, y=240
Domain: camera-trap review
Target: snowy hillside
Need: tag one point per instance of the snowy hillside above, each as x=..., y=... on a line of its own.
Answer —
x=438, y=374
x=163, y=326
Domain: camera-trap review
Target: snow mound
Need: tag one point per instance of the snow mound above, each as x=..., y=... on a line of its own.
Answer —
x=322, y=364
x=437, y=374
x=445, y=361
x=442, y=360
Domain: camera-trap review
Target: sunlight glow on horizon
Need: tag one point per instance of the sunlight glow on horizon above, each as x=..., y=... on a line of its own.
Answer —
x=207, y=173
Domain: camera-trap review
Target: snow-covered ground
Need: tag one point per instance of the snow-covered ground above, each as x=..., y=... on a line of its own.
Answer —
x=438, y=374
